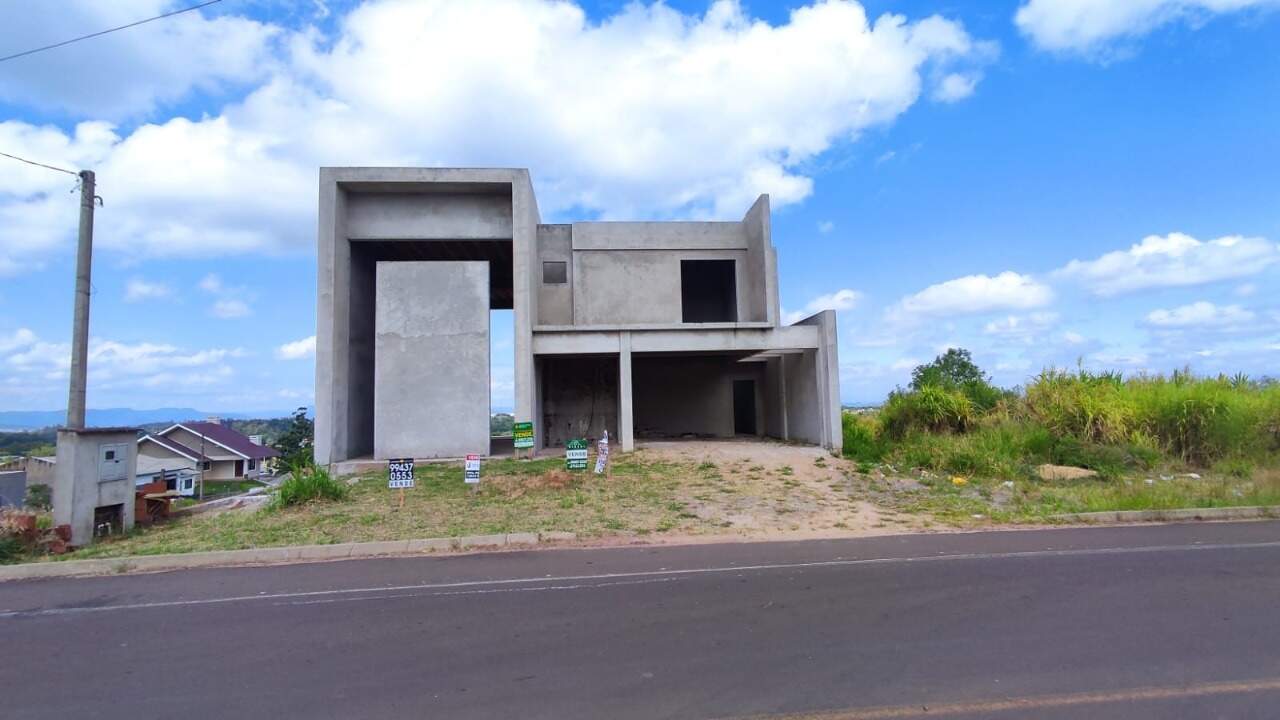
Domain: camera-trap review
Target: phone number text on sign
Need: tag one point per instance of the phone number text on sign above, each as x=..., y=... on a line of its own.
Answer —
x=400, y=473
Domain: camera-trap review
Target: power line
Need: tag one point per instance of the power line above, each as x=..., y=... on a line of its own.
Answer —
x=39, y=164
x=104, y=32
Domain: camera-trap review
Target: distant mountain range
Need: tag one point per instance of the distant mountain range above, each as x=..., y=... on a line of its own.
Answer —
x=125, y=417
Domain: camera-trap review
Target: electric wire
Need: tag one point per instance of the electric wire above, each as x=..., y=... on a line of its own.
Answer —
x=32, y=51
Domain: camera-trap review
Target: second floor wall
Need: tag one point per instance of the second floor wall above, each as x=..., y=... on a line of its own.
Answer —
x=627, y=274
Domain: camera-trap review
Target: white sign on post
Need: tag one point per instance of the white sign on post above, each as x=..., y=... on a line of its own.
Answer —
x=471, y=471
x=602, y=453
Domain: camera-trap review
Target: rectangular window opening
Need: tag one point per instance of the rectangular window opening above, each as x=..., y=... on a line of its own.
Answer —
x=708, y=291
x=555, y=272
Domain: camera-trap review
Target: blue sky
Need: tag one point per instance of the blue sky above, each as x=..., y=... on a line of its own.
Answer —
x=1044, y=182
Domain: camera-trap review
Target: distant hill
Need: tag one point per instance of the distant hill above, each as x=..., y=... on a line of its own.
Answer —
x=116, y=417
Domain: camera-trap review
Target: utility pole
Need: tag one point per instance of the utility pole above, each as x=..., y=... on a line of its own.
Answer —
x=80, y=326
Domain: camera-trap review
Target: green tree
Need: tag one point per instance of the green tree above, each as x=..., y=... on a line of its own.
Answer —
x=953, y=369
x=295, y=442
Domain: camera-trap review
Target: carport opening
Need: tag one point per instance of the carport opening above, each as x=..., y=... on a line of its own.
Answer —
x=680, y=395
x=708, y=291
x=579, y=397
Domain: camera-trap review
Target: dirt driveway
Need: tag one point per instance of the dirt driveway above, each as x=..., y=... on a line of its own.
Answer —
x=767, y=489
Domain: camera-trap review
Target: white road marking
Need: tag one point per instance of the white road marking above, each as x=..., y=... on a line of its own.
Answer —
x=650, y=573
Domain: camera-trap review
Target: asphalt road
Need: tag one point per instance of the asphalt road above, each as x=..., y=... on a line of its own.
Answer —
x=1172, y=621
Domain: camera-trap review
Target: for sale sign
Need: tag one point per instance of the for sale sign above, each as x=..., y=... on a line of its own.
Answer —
x=471, y=471
x=400, y=473
x=522, y=435
x=575, y=454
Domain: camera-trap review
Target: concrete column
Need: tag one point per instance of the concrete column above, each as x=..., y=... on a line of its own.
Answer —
x=626, y=431
x=782, y=396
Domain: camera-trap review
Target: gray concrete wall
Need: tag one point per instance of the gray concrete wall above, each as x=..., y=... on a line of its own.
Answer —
x=431, y=359
x=775, y=421
x=804, y=409
x=677, y=395
x=40, y=472
x=555, y=302
x=659, y=236
x=579, y=398
x=629, y=287
x=761, y=303
x=428, y=216
x=827, y=368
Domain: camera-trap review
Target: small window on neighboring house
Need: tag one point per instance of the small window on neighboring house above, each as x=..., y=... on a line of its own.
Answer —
x=206, y=465
x=555, y=272
x=253, y=464
x=109, y=455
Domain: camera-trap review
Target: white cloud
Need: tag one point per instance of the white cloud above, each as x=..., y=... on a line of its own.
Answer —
x=211, y=283
x=298, y=349
x=227, y=309
x=130, y=72
x=138, y=290
x=955, y=87
x=1089, y=26
x=1170, y=261
x=974, y=294
x=1200, y=314
x=611, y=116
x=1020, y=326
x=1071, y=337
x=826, y=226
x=113, y=365
x=845, y=299
x=20, y=338
x=1246, y=290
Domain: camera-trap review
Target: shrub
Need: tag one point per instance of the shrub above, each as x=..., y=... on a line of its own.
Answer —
x=932, y=408
x=11, y=549
x=862, y=440
x=39, y=497
x=307, y=483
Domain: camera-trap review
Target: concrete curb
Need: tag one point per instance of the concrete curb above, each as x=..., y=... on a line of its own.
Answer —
x=1134, y=516
x=271, y=556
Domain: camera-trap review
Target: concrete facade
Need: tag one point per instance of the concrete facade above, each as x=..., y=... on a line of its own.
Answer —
x=643, y=329
x=93, y=480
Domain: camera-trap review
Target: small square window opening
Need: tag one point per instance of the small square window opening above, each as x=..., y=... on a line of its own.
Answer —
x=555, y=272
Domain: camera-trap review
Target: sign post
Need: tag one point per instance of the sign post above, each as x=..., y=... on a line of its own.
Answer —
x=400, y=475
x=522, y=437
x=575, y=454
x=471, y=471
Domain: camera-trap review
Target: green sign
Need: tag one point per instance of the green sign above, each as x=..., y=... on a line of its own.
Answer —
x=523, y=435
x=575, y=454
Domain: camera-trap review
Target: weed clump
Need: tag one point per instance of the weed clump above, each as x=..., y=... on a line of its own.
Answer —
x=307, y=482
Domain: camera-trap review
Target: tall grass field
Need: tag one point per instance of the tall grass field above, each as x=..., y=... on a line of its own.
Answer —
x=1096, y=420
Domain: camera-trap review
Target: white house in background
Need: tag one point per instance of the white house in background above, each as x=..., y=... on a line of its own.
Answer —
x=179, y=453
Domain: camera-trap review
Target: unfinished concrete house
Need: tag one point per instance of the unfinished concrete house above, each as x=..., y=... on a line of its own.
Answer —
x=644, y=329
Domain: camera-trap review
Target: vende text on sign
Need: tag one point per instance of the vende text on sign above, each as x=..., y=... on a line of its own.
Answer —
x=471, y=470
x=522, y=435
x=400, y=473
x=575, y=454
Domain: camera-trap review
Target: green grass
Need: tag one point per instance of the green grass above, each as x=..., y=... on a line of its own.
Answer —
x=513, y=496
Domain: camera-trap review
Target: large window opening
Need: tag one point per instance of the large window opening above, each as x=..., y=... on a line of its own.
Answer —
x=502, y=380
x=708, y=291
